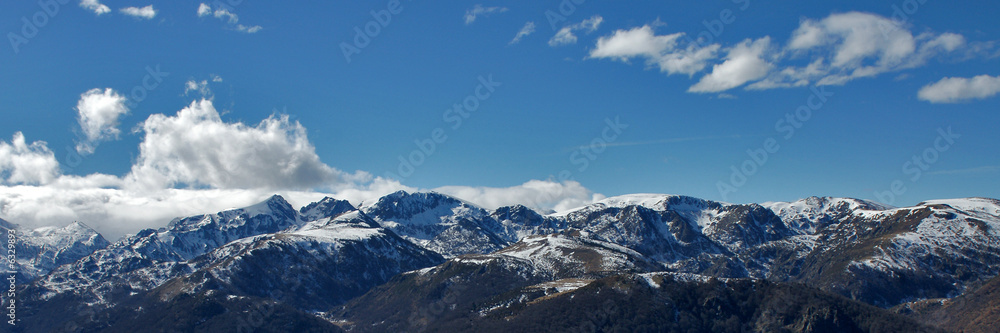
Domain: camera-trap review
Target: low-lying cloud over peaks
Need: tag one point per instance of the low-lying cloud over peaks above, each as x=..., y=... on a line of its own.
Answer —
x=194, y=162
x=26, y=164
x=541, y=195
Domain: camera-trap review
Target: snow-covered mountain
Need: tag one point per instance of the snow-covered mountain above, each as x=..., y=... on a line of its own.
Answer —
x=441, y=223
x=39, y=251
x=806, y=215
x=535, y=267
x=331, y=259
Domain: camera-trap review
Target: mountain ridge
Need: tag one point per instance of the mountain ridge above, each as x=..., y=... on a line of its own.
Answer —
x=858, y=249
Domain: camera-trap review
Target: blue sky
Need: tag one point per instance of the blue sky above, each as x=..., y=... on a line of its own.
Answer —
x=687, y=112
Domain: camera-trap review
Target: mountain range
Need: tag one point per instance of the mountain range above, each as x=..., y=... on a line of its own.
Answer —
x=430, y=262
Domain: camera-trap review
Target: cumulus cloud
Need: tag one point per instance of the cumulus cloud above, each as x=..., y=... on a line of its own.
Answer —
x=21, y=163
x=196, y=148
x=95, y=6
x=479, y=10
x=958, y=89
x=566, y=36
x=846, y=46
x=855, y=37
x=542, y=195
x=143, y=13
x=831, y=51
x=97, y=114
x=745, y=62
x=527, y=29
x=227, y=16
x=663, y=51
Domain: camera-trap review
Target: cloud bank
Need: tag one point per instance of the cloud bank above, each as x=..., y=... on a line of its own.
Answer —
x=194, y=162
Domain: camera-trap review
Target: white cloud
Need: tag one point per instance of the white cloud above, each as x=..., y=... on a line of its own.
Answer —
x=855, y=37
x=249, y=29
x=98, y=113
x=116, y=212
x=958, y=89
x=831, y=51
x=144, y=13
x=542, y=195
x=229, y=17
x=226, y=15
x=848, y=46
x=479, y=10
x=204, y=10
x=745, y=62
x=196, y=148
x=21, y=163
x=565, y=35
x=527, y=29
x=199, y=87
x=216, y=78
x=95, y=6
x=661, y=51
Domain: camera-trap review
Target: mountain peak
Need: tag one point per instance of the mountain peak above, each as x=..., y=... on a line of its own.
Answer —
x=401, y=204
x=327, y=207
x=654, y=201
